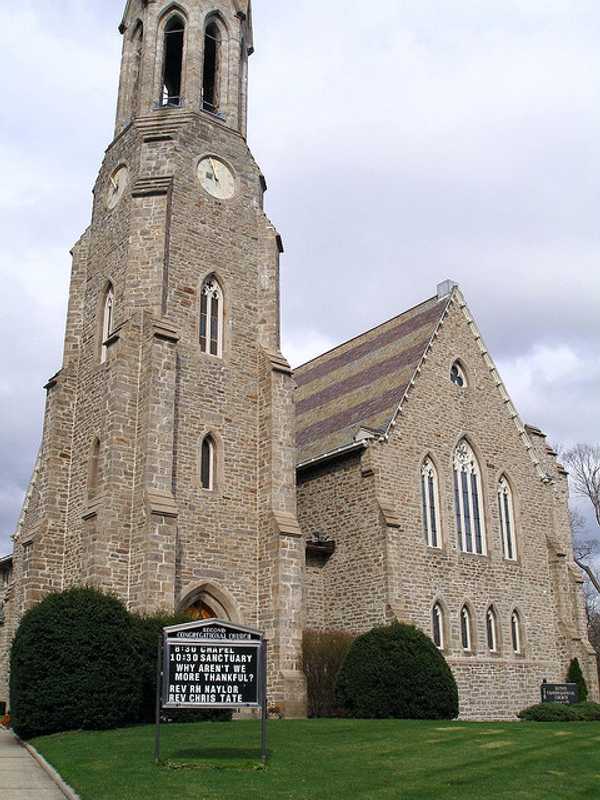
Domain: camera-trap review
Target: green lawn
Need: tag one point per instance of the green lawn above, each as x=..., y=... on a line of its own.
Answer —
x=335, y=760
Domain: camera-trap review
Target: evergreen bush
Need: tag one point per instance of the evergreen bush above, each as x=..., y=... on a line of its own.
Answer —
x=397, y=672
x=323, y=653
x=556, y=712
x=575, y=675
x=73, y=665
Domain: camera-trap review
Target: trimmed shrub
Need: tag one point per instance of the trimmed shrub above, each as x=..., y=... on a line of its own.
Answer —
x=146, y=633
x=575, y=675
x=323, y=653
x=397, y=672
x=73, y=665
x=588, y=712
x=556, y=712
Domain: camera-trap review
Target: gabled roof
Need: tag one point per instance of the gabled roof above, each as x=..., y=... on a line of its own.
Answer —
x=360, y=384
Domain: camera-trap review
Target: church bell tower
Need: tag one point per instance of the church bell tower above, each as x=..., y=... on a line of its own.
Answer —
x=167, y=468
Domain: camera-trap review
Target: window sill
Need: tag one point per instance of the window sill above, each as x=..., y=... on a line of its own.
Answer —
x=466, y=555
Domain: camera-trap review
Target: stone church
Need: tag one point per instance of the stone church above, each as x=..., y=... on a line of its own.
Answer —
x=184, y=466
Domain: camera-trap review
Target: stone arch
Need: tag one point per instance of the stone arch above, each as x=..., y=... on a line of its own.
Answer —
x=206, y=597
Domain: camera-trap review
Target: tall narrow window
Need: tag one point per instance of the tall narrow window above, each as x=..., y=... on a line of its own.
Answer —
x=173, y=62
x=431, y=503
x=507, y=519
x=515, y=629
x=465, y=630
x=211, y=318
x=107, y=321
x=207, y=463
x=492, y=630
x=468, y=498
x=212, y=62
x=437, y=625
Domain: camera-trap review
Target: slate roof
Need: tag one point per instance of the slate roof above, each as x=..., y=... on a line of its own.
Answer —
x=361, y=383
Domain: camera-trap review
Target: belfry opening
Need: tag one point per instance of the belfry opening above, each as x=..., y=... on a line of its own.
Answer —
x=173, y=62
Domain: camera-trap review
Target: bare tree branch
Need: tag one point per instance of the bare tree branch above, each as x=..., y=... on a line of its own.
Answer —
x=583, y=463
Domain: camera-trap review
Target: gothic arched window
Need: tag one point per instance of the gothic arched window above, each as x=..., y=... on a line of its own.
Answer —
x=211, y=318
x=457, y=375
x=468, y=498
x=466, y=633
x=515, y=631
x=108, y=310
x=507, y=519
x=491, y=625
x=173, y=61
x=211, y=75
x=430, y=503
x=437, y=626
x=207, y=463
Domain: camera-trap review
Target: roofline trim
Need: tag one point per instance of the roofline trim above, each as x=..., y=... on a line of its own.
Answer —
x=332, y=454
x=5, y=560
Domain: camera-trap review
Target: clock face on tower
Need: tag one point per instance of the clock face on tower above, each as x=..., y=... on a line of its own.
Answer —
x=116, y=186
x=216, y=178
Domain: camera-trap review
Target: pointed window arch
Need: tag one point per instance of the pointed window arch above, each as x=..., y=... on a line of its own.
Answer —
x=515, y=632
x=211, y=73
x=468, y=499
x=507, y=519
x=207, y=463
x=108, y=312
x=173, y=47
x=211, y=317
x=437, y=626
x=430, y=500
x=466, y=631
x=458, y=376
x=491, y=625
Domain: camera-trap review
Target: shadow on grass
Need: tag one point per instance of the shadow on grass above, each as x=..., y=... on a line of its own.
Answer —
x=218, y=758
x=218, y=753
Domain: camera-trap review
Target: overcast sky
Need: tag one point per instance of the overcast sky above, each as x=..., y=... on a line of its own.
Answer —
x=431, y=139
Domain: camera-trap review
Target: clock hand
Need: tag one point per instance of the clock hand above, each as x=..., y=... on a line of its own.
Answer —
x=212, y=166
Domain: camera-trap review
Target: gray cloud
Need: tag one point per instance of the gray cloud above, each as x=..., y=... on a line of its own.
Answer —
x=420, y=142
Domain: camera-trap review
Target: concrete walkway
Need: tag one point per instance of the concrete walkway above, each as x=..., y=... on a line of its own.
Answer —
x=21, y=777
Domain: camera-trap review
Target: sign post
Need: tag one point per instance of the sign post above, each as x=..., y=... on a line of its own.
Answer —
x=212, y=665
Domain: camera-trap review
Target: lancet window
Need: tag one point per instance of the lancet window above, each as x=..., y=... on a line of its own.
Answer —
x=211, y=318
x=507, y=519
x=468, y=499
x=174, y=41
x=430, y=503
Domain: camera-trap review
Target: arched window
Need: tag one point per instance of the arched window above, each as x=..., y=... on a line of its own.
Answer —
x=507, y=519
x=211, y=318
x=107, y=320
x=457, y=375
x=431, y=503
x=515, y=630
x=207, y=463
x=136, y=67
x=437, y=626
x=466, y=634
x=491, y=624
x=211, y=76
x=468, y=498
x=173, y=61
x=94, y=469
